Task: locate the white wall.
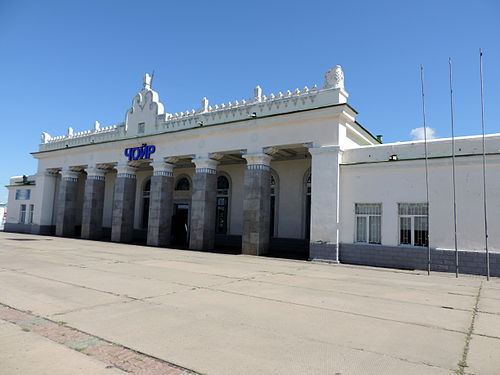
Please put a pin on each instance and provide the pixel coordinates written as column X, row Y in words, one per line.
column 391, row 183
column 109, row 193
column 291, row 197
column 14, row 207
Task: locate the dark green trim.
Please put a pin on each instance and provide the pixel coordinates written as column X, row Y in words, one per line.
column 367, row 132
column 422, row 158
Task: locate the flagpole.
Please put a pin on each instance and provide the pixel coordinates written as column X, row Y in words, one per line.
column 426, row 170
column 453, row 165
column 484, row 167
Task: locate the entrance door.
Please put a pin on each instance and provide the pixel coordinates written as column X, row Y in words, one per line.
column 308, row 217
column 180, row 224
column 221, row 219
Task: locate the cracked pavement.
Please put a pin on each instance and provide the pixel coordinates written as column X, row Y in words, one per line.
column 236, row 314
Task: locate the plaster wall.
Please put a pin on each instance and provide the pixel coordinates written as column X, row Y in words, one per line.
column 415, row 149
column 319, row 127
column 236, row 174
column 14, row 209
column 290, row 200
column 391, row 183
column 109, row 192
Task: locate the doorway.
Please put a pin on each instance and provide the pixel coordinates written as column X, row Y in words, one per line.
column 180, row 225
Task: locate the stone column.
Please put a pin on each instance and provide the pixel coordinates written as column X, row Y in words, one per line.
column 122, row 224
column 203, row 205
column 256, row 204
column 161, row 204
column 324, row 239
column 67, row 200
column 93, row 204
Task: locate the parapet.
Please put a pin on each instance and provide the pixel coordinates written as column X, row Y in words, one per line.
column 146, row 115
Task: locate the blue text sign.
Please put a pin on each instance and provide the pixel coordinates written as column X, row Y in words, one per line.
column 142, row 152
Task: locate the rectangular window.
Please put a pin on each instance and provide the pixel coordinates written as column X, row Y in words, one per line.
column 140, row 127
column 413, row 224
column 22, row 214
column 368, row 222
column 30, row 214
column 23, row 194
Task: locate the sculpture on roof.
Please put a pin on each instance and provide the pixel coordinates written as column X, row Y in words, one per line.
column 147, row 81
column 334, row 78
column 45, row 138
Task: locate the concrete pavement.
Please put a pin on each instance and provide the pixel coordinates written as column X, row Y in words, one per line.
column 236, row 314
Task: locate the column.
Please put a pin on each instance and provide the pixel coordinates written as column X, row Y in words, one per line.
column 67, row 200
column 161, row 204
column 93, row 204
column 324, row 239
column 122, row 224
column 203, row 205
column 44, row 202
column 256, row 204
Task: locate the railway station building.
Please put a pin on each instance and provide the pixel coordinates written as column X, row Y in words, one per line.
column 290, row 172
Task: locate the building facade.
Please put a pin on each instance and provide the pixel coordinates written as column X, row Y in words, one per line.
column 292, row 170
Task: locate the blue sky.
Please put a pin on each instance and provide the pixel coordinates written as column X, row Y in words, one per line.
column 69, row 63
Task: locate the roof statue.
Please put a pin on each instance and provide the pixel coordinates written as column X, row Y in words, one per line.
column 45, row 138
column 334, row 78
column 147, row 81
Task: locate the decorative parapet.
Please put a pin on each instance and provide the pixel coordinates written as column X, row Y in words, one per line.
column 258, row 106
column 98, row 135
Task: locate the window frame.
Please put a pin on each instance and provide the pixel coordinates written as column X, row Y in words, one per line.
column 145, row 194
column 367, row 224
column 224, row 194
column 31, row 213
column 22, row 214
column 412, row 224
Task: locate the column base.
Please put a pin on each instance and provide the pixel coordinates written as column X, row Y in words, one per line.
column 324, row 252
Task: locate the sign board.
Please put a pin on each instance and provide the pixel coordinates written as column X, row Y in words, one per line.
column 23, row 194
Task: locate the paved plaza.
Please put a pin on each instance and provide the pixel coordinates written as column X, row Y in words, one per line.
column 71, row 306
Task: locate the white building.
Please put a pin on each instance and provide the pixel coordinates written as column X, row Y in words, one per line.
column 291, row 172
column 3, row 213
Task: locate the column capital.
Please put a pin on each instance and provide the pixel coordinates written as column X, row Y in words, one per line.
column 50, row 172
column 162, row 168
column 125, row 170
column 205, row 165
column 258, row 161
column 68, row 174
column 95, row 173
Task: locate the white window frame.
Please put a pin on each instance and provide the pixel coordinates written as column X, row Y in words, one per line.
column 367, row 229
column 22, row 214
column 412, row 224
column 141, row 128
column 30, row 213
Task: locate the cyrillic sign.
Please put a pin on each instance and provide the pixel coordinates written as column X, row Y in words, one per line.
column 142, row 152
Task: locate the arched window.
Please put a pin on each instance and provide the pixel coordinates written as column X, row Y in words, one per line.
column 222, row 210
column 146, row 191
column 307, row 189
column 182, row 184
column 273, row 212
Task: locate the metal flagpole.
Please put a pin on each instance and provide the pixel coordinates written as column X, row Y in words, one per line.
column 484, row 167
column 453, row 166
column 426, row 170
column 152, row 77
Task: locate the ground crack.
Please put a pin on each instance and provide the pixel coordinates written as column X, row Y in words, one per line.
column 463, row 362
